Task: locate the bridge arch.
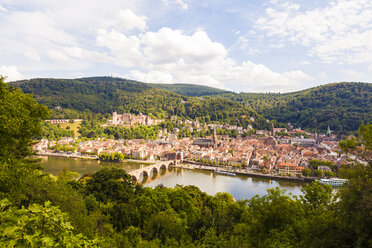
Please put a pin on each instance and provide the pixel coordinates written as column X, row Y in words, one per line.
column 152, row 169
column 144, row 174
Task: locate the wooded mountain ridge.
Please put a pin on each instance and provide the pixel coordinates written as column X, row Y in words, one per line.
column 342, row 106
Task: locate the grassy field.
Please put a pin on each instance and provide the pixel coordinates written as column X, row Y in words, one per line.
column 73, row 126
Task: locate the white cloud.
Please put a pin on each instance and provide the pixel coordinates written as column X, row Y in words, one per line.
column 32, row 55
column 57, row 35
column 353, row 75
column 11, row 73
column 125, row 20
column 168, row 46
column 339, row 33
column 305, row 62
column 57, row 55
column 170, row 56
column 2, row 8
column 152, row 76
column 124, row 51
column 369, row 68
column 181, row 3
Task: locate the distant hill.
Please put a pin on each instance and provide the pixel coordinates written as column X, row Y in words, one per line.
column 107, row 94
column 101, row 95
column 342, row 106
column 190, row 89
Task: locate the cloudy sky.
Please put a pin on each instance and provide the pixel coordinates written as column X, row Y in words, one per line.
column 240, row 45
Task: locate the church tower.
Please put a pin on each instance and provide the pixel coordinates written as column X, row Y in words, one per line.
column 328, row 131
column 114, row 118
column 214, row 139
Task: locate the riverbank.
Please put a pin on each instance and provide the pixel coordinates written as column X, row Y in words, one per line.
column 93, row 157
column 66, row 155
column 190, row 166
column 244, row 172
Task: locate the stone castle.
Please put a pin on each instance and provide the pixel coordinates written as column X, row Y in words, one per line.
column 129, row 119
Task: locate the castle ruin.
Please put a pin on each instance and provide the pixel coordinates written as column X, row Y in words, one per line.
column 129, row 119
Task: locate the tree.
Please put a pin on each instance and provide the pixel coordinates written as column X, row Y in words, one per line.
column 20, row 119
column 306, row 172
column 356, row 197
column 318, row 173
column 274, row 219
column 38, row 226
column 111, row 185
column 328, row 174
column 360, row 146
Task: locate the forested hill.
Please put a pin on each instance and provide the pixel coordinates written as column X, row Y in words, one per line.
column 342, row 106
column 101, row 95
column 106, row 94
column 190, row 89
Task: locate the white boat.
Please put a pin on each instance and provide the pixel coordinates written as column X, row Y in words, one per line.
column 336, row 182
column 228, row 173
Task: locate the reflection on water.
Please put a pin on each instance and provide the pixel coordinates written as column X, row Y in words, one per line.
column 240, row 187
column 54, row 165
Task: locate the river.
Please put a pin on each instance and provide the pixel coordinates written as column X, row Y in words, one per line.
column 240, row 187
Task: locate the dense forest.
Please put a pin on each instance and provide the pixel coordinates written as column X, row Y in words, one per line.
column 190, row 89
column 108, row 209
column 342, row 106
column 105, row 95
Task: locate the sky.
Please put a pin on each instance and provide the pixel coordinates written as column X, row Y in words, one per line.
column 238, row 45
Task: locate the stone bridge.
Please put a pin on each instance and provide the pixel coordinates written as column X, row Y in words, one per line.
column 154, row 168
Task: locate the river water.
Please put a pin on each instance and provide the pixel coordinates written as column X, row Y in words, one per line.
column 240, row 187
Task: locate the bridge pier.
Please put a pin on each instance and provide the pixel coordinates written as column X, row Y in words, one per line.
column 146, row 171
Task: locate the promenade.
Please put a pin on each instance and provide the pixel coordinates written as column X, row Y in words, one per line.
column 243, row 172
column 66, row 155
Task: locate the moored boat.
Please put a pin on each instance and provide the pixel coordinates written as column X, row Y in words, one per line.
column 228, row 173
column 336, row 182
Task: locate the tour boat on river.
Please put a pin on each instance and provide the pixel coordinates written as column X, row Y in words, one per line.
column 228, row 173
column 336, row 182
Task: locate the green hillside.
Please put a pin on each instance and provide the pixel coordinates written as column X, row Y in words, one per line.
column 190, row 89
column 106, row 94
column 342, row 106
column 103, row 95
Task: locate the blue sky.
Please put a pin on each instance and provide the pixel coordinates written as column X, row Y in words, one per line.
column 244, row 46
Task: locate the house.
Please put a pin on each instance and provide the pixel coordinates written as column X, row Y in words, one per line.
column 289, row 169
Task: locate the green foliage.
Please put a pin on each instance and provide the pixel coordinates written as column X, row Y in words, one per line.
column 53, row 132
column 356, row 198
column 306, row 172
column 79, row 97
column 274, row 219
column 318, row 173
column 38, row 226
column 115, row 156
column 316, row 163
column 360, row 146
column 20, row 118
column 190, row 89
column 342, row 106
column 111, row 185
